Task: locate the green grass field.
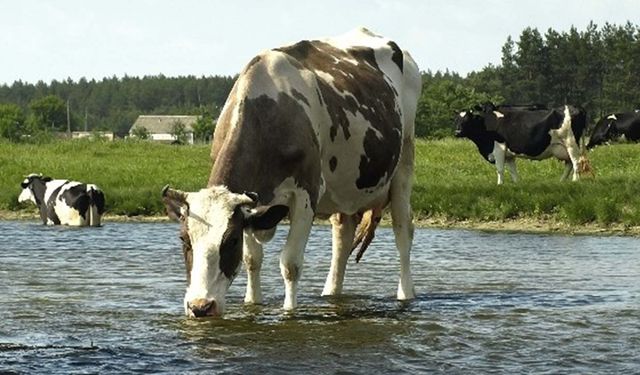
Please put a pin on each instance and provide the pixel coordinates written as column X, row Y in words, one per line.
column 452, row 181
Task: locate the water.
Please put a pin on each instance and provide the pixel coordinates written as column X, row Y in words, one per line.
column 109, row 300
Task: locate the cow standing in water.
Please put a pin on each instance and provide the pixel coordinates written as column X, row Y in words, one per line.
column 506, row 132
column 319, row 128
column 64, row 202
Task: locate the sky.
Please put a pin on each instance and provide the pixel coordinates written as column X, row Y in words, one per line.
column 47, row 40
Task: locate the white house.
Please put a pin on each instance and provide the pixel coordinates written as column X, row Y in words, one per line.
column 162, row 128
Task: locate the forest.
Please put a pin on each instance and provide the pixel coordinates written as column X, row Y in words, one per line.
column 597, row 68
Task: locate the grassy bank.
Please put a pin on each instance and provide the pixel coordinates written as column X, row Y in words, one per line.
column 453, row 183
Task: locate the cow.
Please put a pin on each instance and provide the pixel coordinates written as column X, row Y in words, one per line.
column 321, row 128
column 64, row 202
column 504, row 133
column 615, row 126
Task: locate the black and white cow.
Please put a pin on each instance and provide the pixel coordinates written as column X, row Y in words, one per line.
column 504, row 133
column 64, row 202
column 318, row 128
column 616, row 126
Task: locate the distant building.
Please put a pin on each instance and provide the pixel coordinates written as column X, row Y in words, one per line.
column 93, row 134
column 162, row 128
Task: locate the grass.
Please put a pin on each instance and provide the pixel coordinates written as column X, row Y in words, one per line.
column 452, row 181
column 131, row 174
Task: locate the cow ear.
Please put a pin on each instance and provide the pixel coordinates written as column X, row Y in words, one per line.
column 265, row 217
column 47, row 179
column 254, row 196
column 175, row 203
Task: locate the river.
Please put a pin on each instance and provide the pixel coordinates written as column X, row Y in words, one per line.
column 109, row 300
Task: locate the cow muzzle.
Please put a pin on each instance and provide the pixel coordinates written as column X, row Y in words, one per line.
column 202, row 307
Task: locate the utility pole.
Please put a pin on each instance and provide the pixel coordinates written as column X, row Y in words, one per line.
column 85, row 118
column 68, row 120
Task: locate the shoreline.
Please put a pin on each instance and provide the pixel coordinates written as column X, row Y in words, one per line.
column 522, row 225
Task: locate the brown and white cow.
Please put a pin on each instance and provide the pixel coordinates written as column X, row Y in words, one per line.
column 318, row 128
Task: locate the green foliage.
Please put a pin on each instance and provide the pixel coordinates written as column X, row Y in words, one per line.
column 11, row 122
column 598, row 69
column 48, row 112
column 203, row 128
column 140, row 132
column 179, row 132
column 114, row 103
column 443, row 97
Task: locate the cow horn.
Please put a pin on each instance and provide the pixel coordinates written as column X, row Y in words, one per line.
column 177, row 195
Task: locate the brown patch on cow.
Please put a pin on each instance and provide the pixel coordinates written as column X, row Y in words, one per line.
column 273, row 140
column 397, row 56
column 298, row 95
column 251, row 63
column 231, row 245
column 291, row 273
column 333, row 163
column 375, row 101
column 187, row 250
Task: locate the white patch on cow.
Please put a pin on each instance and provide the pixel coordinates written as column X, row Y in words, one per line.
column 463, row 113
column 498, row 114
column 274, row 74
column 68, row 215
column 52, row 186
column 209, row 213
column 26, row 195
column 612, row 117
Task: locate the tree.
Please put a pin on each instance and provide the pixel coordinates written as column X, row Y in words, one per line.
column 179, row 132
column 443, row 97
column 203, row 127
column 48, row 112
column 140, row 132
column 11, row 122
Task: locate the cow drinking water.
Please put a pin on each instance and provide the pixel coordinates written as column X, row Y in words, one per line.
column 318, row 128
column 64, row 202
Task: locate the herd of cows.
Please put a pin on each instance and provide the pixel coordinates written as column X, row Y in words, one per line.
column 321, row 128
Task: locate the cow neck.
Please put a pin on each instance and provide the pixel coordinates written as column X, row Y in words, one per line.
column 271, row 141
column 39, row 187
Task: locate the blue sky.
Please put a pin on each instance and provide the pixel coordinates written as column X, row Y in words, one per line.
column 46, row 40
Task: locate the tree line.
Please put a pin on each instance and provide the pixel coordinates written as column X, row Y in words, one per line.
column 597, row 68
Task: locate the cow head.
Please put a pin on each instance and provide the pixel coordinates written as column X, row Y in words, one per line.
column 605, row 130
column 32, row 185
column 214, row 221
column 470, row 124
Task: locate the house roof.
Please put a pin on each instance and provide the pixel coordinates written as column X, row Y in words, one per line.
column 163, row 124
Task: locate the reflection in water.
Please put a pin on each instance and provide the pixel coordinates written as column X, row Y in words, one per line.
column 109, row 300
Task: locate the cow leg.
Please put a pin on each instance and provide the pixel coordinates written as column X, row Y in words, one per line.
column 499, row 157
column 402, row 218
column 252, row 258
column 511, row 166
column 574, row 154
column 568, row 167
column 343, row 229
column 292, row 256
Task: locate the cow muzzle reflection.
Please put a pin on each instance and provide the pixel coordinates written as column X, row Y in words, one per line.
column 202, row 307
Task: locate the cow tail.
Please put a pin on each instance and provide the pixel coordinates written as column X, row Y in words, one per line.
column 94, row 215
